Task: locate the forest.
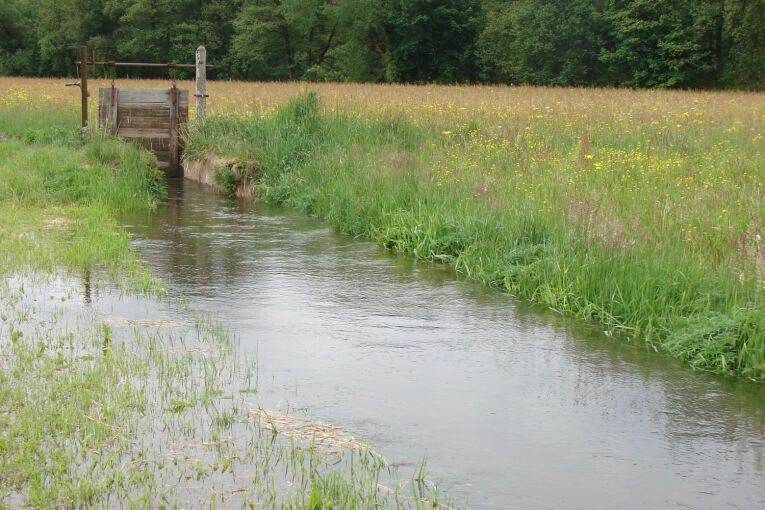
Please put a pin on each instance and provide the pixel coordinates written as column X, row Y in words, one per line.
column 712, row 44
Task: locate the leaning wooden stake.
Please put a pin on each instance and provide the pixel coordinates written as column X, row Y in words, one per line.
column 84, row 89
column 201, row 92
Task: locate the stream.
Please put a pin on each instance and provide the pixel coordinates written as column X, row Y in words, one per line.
column 511, row 406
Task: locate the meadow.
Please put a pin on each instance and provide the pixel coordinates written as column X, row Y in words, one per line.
column 639, row 210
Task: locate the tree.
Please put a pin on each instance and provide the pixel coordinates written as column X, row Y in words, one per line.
column 170, row 31
column 745, row 27
column 660, row 43
column 542, row 42
column 18, row 39
column 431, row 40
column 283, row 39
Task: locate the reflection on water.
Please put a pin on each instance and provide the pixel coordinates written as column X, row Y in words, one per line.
column 513, row 406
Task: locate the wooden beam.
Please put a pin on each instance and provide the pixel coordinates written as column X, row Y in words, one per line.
column 201, row 92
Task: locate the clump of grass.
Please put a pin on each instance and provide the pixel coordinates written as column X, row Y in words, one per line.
column 236, row 178
column 534, row 213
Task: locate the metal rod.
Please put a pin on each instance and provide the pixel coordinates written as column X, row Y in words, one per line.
column 140, row 64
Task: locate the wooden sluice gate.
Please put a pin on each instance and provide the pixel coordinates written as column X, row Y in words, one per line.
column 148, row 117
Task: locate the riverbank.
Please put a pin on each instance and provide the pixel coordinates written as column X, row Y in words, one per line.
column 650, row 228
column 112, row 392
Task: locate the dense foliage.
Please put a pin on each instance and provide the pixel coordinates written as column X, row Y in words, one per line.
column 634, row 43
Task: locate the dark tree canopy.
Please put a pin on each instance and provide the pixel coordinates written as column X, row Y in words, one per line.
column 632, row 43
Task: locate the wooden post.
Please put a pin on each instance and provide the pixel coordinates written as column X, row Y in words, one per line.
column 173, row 140
column 201, row 92
column 84, row 89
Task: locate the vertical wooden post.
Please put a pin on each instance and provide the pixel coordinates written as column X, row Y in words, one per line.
column 173, row 141
column 112, row 110
column 84, row 89
column 201, row 92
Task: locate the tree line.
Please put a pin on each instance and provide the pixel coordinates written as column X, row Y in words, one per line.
column 624, row 43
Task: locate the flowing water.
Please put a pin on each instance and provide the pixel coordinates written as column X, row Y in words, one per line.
column 511, row 405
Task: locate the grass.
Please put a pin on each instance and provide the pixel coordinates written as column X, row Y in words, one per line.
column 59, row 200
column 101, row 411
column 95, row 413
column 639, row 210
column 654, row 231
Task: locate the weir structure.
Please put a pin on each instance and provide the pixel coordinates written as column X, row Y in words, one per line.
column 151, row 117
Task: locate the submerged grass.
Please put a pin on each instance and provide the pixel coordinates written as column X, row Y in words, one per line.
column 589, row 226
column 100, row 415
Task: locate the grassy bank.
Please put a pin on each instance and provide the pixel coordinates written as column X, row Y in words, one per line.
column 150, row 411
column 59, row 199
column 646, row 221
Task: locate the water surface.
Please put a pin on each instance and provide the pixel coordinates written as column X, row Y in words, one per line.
column 513, row 406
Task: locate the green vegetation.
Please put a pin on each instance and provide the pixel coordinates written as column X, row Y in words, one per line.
column 101, row 410
column 632, row 43
column 533, row 219
column 98, row 412
column 59, row 198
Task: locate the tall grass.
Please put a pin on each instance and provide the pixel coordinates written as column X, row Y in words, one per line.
column 59, row 200
column 541, row 214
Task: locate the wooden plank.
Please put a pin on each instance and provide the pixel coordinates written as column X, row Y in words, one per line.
column 144, row 107
column 162, row 155
column 130, row 122
column 113, row 109
column 108, row 109
column 153, row 143
column 133, row 95
column 102, row 107
column 163, row 96
column 143, row 111
column 145, row 133
column 151, row 104
column 145, row 123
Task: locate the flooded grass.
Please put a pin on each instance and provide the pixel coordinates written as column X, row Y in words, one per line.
column 98, row 413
